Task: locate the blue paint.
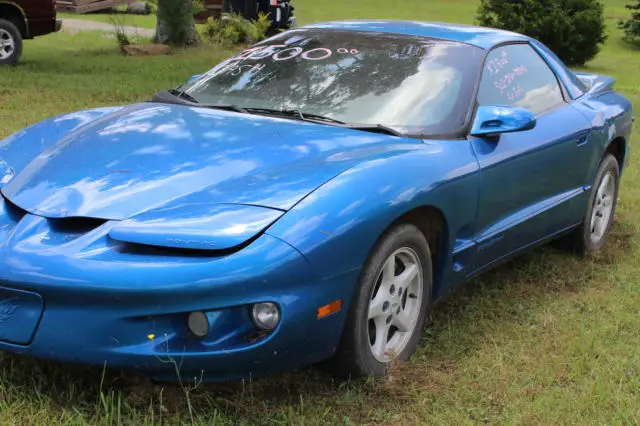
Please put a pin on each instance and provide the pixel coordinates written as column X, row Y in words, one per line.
column 193, row 78
column 482, row 37
column 496, row 120
column 20, row 313
column 116, row 223
column 195, row 226
column 171, row 151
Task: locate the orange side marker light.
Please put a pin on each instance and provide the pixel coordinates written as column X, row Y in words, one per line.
column 329, row 309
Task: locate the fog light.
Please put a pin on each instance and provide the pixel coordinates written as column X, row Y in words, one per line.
column 198, row 324
column 265, row 315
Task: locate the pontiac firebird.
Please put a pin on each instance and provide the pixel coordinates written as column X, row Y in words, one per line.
column 305, row 200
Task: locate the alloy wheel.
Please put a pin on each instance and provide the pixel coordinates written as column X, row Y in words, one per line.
column 7, row 44
column 602, row 207
column 395, row 304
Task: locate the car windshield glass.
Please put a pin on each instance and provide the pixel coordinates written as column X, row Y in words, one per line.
column 414, row 84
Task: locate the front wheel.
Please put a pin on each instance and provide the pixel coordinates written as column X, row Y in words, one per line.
column 10, row 43
column 390, row 305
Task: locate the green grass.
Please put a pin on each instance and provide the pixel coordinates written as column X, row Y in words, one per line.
column 546, row 339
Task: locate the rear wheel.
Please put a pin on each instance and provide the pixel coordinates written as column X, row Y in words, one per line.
column 10, row 43
column 390, row 306
column 598, row 219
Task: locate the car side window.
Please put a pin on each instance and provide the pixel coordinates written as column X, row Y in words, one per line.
column 516, row 75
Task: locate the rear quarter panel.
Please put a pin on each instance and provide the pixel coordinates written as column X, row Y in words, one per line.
column 40, row 16
column 611, row 117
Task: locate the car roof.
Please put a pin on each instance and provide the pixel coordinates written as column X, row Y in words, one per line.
column 481, row 37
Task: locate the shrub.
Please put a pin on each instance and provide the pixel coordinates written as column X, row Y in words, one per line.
column 175, row 21
column 573, row 29
column 121, row 35
column 233, row 29
column 631, row 27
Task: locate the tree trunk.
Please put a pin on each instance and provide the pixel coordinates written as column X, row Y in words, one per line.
column 175, row 24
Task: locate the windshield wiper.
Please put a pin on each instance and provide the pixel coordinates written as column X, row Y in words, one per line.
column 180, row 94
column 174, row 96
column 186, row 99
column 182, row 98
column 306, row 116
column 376, row 128
column 226, row 107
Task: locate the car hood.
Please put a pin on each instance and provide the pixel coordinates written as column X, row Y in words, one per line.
column 121, row 162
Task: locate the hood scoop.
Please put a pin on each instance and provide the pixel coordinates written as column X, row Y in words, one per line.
column 74, row 226
column 12, row 211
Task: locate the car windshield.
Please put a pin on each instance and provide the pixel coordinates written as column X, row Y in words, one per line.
column 416, row 85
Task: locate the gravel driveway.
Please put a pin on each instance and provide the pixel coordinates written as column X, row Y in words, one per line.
column 73, row 25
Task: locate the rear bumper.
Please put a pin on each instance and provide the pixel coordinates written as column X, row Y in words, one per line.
column 42, row 26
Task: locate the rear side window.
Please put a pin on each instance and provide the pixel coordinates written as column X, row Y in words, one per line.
column 575, row 86
column 516, row 75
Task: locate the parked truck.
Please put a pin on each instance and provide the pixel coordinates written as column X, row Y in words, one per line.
column 22, row 20
column 280, row 11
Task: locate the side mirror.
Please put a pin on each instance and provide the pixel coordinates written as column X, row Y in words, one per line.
column 496, row 119
column 193, row 78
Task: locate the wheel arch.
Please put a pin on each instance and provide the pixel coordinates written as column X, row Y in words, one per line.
column 618, row 148
column 434, row 187
column 431, row 221
column 14, row 13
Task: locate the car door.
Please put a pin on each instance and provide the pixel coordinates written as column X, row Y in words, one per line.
column 532, row 181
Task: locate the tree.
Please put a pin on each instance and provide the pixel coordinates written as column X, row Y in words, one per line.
column 573, row 29
column 631, row 26
column 176, row 25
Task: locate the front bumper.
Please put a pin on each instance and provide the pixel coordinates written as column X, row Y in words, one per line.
column 103, row 305
column 155, row 345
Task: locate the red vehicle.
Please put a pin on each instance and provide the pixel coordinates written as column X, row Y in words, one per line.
column 24, row 19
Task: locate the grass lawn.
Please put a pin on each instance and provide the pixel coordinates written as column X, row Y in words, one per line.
column 546, row 339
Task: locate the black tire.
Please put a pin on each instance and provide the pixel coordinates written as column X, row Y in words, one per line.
column 354, row 357
column 10, row 32
column 580, row 240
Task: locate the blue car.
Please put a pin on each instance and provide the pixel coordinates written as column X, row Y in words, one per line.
column 307, row 199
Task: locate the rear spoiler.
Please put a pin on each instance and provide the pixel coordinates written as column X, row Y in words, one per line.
column 596, row 83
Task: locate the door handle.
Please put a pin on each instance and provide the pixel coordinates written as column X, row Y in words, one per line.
column 582, row 140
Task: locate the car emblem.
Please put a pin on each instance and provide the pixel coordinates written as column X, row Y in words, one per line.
column 7, row 308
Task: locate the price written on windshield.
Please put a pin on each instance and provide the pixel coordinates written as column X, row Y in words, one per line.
column 282, row 52
column 278, row 53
